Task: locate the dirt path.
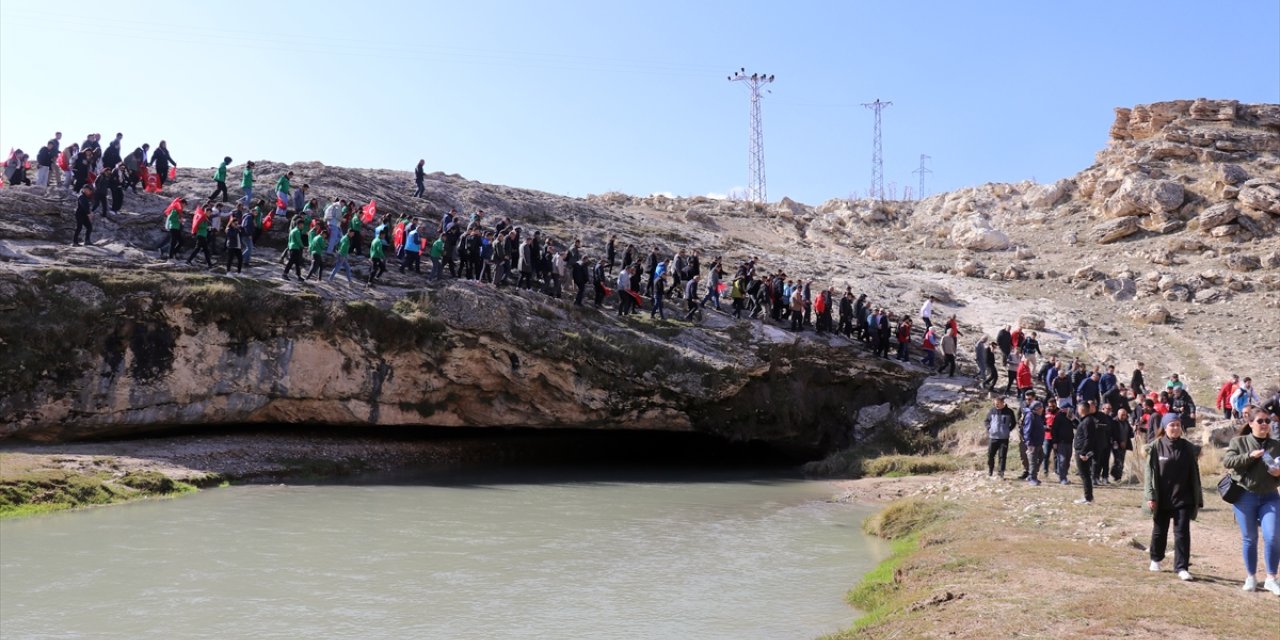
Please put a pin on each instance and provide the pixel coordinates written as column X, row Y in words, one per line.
column 1019, row 561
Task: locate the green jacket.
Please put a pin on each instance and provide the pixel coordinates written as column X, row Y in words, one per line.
column 1251, row 473
column 1152, row 479
column 283, row 185
column 344, row 246
column 173, row 220
column 437, row 248
column 355, row 223
column 221, row 174
column 376, row 250
column 317, row 243
column 295, row 238
column 246, row 179
column 202, row 228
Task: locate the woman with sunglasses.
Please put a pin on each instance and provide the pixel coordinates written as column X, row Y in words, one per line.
column 1252, row 459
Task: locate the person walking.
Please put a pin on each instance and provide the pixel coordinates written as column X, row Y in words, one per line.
column 1172, row 493
column 1086, row 444
column 1252, row 461
column 948, row 354
column 342, row 262
column 317, row 249
column 294, row 249
column 1063, row 435
column 1033, row 442
column 926, row 312
column 419, row 175
column 246, row 183
column 235, row 243
column 173, row 224
column 659, row 291
column 200, row 229
column 377, row 255
column 162, row 160
column 999, row 421
column 993, row 372
column 220, row 180
column 84, row 207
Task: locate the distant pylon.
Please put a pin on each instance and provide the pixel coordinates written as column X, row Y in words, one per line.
column 877, row 154
column 907, row 194
column 922, row 172
column 755, row 167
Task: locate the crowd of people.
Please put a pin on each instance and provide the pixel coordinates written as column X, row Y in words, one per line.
column 1069, row 415
column 1087, row 420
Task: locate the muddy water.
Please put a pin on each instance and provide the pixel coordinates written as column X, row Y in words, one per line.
column 641, row 555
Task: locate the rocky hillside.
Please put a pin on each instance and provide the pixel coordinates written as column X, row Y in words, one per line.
column 1164, row 251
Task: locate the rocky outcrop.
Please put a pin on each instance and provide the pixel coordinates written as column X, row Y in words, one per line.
column 89, row 354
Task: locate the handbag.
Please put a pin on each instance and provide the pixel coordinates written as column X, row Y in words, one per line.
column 1230, row 491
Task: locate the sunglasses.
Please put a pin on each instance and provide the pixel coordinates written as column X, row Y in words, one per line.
column 1262, row 421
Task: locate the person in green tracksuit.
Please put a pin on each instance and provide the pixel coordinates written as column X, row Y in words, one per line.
column 318, row 246
column 220, row 179
column 378, row 255
column 202, row 241
column 173, row 224
column 343, row 250
column 284, row 187
column 294, row 249
column 246, row 183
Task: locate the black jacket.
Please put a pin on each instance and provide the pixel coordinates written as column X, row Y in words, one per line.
column 1004, row 340
column 1088, row 440
column 579, row 273
column 83, row 205
column 111, row 157
column 45, row 157
column 161, row 159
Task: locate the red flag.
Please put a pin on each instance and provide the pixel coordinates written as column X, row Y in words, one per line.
column 173, row 173
column 200, row 216
column 369, row 211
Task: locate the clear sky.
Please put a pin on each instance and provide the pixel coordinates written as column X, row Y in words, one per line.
column 578, row 97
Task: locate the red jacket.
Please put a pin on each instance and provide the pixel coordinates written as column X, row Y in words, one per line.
column 1224, row 394
column 1024, row 375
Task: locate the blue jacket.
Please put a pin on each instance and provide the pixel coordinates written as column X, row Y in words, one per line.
column 1089, row 390
column 1106, row 382
column 411, row 242
column 1033, row 429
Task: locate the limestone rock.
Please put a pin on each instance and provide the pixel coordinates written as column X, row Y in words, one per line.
column 1154, row 314
column 880, row 253
column 975, row 233
column 1113, row 230
column 1031, row 322
column 1260, row 195
column 1217, row 215
column 1243, row 263
column 967, row 267
column 1120, row 289
column 1232, row 174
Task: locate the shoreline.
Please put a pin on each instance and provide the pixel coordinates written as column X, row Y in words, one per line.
column 1003, row 559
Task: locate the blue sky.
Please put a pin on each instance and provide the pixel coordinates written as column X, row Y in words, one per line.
column 585, row 97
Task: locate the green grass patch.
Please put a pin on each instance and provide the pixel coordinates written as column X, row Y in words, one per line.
column 852, row 463
column 44, row 490
column 903, row 518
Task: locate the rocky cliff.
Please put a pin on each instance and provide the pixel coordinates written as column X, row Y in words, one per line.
column 91, row 354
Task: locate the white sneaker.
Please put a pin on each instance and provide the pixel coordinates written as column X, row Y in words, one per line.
column 1185, row 575
column 1250, row 584
column 1272, row 586
column 1155, row 566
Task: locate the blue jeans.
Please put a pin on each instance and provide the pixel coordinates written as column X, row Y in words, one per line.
column 247, row 240
column 334, row 235
column 436, row 271
column 248, row 196
column 713, row 294
column 341, row 264
column 1252, row 510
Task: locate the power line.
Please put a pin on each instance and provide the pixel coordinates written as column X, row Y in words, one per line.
column 755, row 169
column 922, row 172
column 877, row 153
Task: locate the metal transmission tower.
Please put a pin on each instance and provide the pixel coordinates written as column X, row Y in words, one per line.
column 755, row 183
column 922, row 172
column 877, row 154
